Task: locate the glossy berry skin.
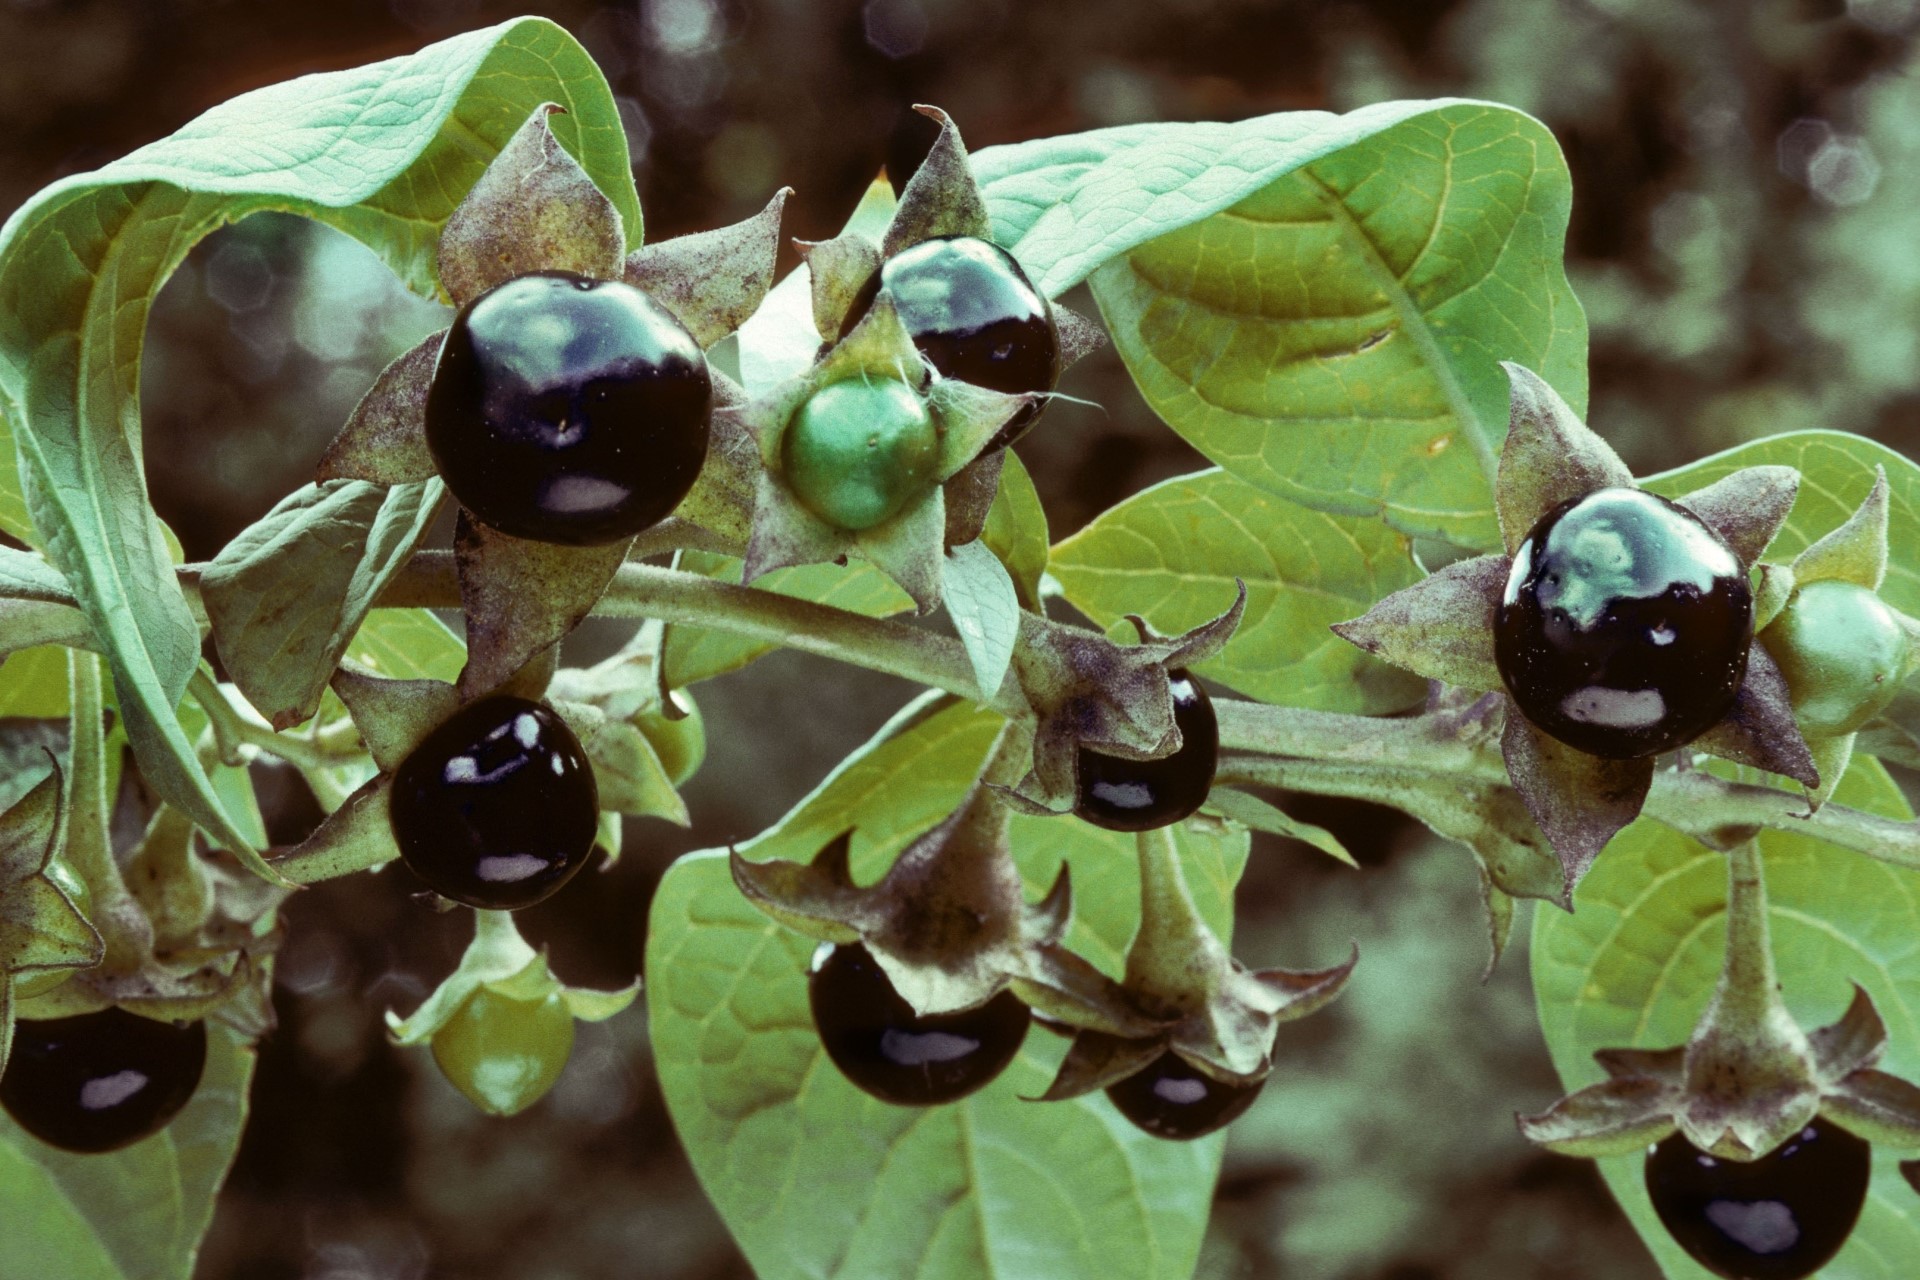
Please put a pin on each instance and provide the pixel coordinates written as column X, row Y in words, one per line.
column 1781, row 1217
column 1625, row 624
column 858, row 451
column 974, row 315
column 882, row 1046
column 569, row 410
column 1842, row 651
column 100, row 1081
column 1170, row 1098
column 1139, row 795
column 497, row 807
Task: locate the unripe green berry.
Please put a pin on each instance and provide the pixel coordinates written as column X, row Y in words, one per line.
column 1843, row 652
column 504, row 1054
column 858, row 451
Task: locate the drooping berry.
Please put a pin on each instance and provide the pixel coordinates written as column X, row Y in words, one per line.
column 1781, row 1217
column 1842, row 651
column 858, row 451
column 569, row 410
column 881, row 1045
column 1625, row 623
column 497, row 807
column 1171, row 1098
column 974, row 315
column 1139, row 795
column 100, row 1081
column 505, row 1054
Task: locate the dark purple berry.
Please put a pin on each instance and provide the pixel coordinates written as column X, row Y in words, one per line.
column 1171, row 1098
column 569, row 410
column 1625, row 625
column 1781, row 1217
column 497, row 807
column 1139, row 795
column 974, row 315
column 881, row 1045
column 100, row 1081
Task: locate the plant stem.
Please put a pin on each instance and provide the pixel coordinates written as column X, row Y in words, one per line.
column 123, row 926
column 231, row 730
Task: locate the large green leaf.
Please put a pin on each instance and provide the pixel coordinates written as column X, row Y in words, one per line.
column 1836, row 471
column 1635, row 963
column 1319, row 303
column 136, row 1214
column 408, row 644
column 383, row 153
column 816, row 1178
column 1171, row 554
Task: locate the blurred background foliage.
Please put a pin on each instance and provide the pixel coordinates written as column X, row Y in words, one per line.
column 1746, row 206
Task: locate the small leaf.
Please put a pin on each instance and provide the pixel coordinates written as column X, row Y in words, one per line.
column 286, row 596
column 534, row 209
column 980, row 598
column 385, row 439
column 1016, row 529
column 1550, row 457
column 1440, row 627
column 1579, row 800
column 969, row 497
column 712, row 280
column 1251, row 811
column 521, row 597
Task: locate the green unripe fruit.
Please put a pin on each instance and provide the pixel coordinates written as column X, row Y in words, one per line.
column 1843, row 652
column 859, row 451
column 681, row 744
column 504, row 1054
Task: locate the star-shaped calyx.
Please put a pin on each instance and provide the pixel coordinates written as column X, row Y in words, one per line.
column 949, row 922
column 1749, row 1079
column 1610, row 578
column 1089, row 693
column 1202, row 1005
column 42, row 933
column 535, row 209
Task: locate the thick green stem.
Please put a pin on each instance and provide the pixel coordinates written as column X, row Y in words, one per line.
column 1748, row 989
column 123, row 926
column 231, row 730
column 1175, row 955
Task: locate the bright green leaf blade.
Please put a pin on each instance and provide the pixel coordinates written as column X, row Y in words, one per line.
column 1331, row 331
column 287, row 594
column 1836, row 471
column 1017, row 529
column 381, row 152
column 33, row 683
column 1637, row 960
column 408, row 644
column 696, row 653
column 14, row 517
column 1171, row 554
column 136, row 1214
column 985, row 610
column 992, row 1186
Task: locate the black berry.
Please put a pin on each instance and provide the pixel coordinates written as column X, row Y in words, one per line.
column 974, row 315
column 1781, row 1217
column 497, row 807
column 569, row 410
column 881, row 1045
column 1170, row 1098
column 100, row 1081
column 1139, row 795
column 1625, row 625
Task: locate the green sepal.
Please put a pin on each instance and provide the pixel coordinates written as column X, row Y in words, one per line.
column 1855, row 552
column 1580, row 801
column 1760, row 730
column 1440, row 627
column 499, row 959
column 838, row 270
column 385, row 439
column 1882, row 1108
column 393, row 716
column 533, row 209
column 1550, row 457
column 357, row 836
column 1621, row 1116
column 1746, row 508
column 942, row 198
column 626, row 768
column 712, row 280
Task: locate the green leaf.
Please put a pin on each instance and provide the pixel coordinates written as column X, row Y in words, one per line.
column 287, row 594
column 1171, row 554
column 382, row 153
column 25, row 576
column 408, row 644
column 1837, row 472
column 136, row 1214
column 695, row 653
column 980, row 598
column 1016, row 529
column 992, row 1186
column 14, row 518
column 33, row 683
column 1636, row 962
column 1319, row 303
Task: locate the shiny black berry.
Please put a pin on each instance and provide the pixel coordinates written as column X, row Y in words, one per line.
column 569, row 410
column 881, row 1045
column 1625, row 625
column 1139, row 795
column 497, row 807
column 100, row 1081
column 974, row 315
column 1781, row 1217
column 1171, row 1098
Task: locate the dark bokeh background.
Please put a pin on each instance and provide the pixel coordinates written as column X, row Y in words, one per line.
column 1746, row 208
